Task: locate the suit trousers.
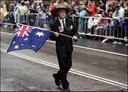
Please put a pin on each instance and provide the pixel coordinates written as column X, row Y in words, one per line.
column 65, row 63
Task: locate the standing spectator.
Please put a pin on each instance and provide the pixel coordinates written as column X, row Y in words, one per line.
column 91, row 8
column 2, row 12
column 74, row 9
column 5, row 6
column 93, row 22
column 27, row 3
column 110, row 6
column 23, row 10
column 42, row 16
column 33, row 8
column 82, row 12
column 121, row 10
column 82, row 21
column 126, row 24
column 12, row 7
column 116, row 22
column 102, row 26
column 17, row 17
column 116, row 13
column 126, row 5
column 101, row 7
column 52, row 6
column 33, row 19
column 45, row 8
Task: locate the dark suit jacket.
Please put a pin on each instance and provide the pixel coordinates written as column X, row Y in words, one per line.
column 63, row 43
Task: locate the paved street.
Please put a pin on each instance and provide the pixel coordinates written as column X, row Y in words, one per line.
column 102, row 68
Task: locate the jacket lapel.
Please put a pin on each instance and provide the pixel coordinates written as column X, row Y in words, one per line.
column 67, row 23
column 58, row 25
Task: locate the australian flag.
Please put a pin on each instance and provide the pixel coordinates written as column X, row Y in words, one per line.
column 28, row 38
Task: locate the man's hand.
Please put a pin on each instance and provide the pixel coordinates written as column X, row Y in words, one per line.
column 56, row 34
column 75, row 38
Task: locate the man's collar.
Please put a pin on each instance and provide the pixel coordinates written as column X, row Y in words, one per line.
column 61, row 19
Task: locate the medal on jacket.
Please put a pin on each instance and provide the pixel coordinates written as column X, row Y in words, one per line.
column 60, row 29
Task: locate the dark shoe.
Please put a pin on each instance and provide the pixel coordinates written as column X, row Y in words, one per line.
column 57, row 80
column 67, row 90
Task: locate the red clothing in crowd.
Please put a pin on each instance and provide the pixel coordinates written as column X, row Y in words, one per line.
column 103, row 22
column 51, row 7
column 91, row 9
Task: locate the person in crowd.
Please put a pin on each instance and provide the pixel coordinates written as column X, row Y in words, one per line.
column 110, row 6
column 101, row 7
column 33, row 19
column 2, row 12
column 93, row 22
column 17, row 17
column 121, row 10
column 45, row 8
column 73, row 9
column 116, row 21
column 102, row 25
column 126, row 5
column 5, row 6
column 117, row 14
column 73, row 12
column 12, row 7
column 52, row 6
column 22, row 11
column 33, row 8
column 91, row 8
column 126, row 24
column 42, row 16
column 83, row 11
column 27, row 3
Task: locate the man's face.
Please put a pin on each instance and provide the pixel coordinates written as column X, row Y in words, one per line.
column 62, row 14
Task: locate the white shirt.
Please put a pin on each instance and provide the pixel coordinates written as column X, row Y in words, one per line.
column 93, row 21
column 121, row 12
column 62, row 27
column 16, row 8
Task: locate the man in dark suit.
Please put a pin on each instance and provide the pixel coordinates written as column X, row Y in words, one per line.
column 64, row 45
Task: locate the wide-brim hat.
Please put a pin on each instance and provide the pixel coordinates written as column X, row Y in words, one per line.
column 61, row 6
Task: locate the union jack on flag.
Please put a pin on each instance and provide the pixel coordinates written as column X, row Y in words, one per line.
column 22, row 31
column 28, row 38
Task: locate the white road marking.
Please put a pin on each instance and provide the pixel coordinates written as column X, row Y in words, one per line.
column 93, row 49
column 73, row 71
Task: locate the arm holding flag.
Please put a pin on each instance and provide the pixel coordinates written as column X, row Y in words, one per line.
column 29, row 37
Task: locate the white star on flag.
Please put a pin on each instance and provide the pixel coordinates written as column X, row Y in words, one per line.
column 25, row 39
column 40, row 34
column 13, row 42
column 33, row 46
column 16, row 47
column 22, row 44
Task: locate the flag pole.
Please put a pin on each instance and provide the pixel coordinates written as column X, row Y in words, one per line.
column 37, row 28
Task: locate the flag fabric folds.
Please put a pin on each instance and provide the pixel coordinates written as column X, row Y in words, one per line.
column 26, row 37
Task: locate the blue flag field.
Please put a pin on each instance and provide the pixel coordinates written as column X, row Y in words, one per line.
column 27, row 37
